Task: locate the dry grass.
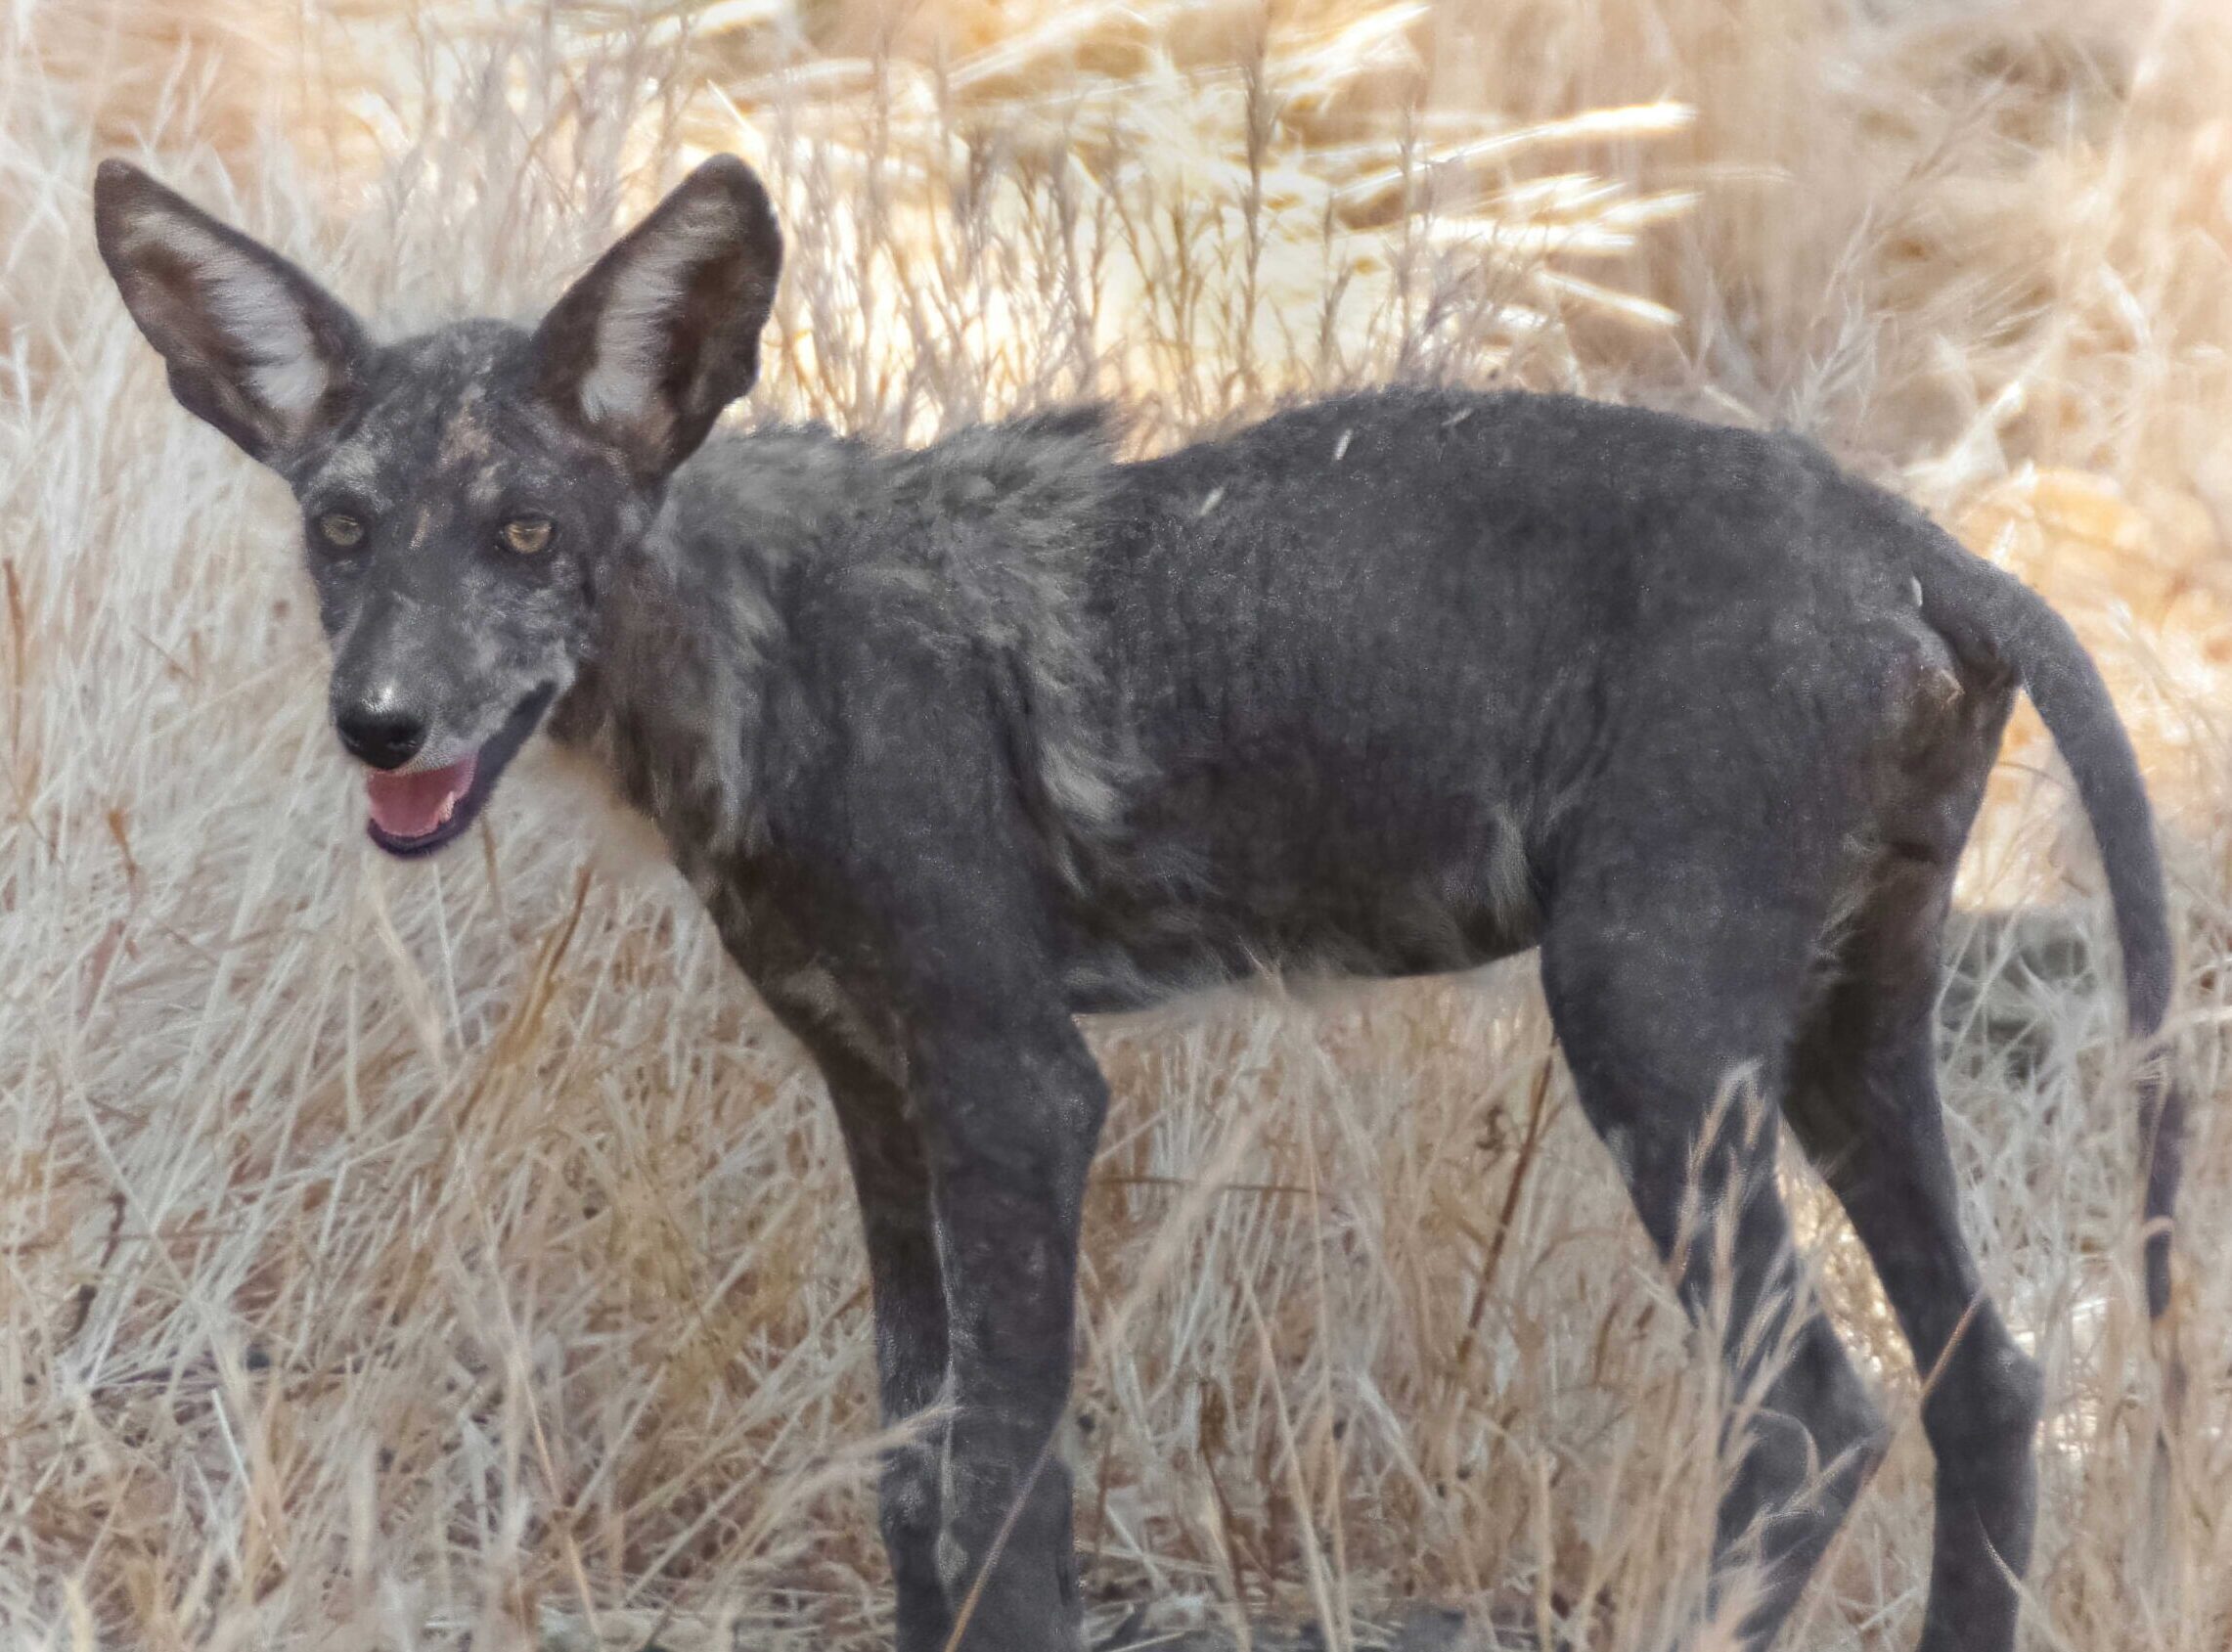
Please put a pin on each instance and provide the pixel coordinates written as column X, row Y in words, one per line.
column 397, row 1257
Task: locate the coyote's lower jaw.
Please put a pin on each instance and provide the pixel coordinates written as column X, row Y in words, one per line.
column 417, row 813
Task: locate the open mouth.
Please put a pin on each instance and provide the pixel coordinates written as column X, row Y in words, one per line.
column 415, row 813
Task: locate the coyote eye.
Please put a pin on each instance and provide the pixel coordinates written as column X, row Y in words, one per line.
column 340, row 530
column 527, row 535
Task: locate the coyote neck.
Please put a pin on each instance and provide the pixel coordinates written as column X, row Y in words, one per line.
column 671, row 701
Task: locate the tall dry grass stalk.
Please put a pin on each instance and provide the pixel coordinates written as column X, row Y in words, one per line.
column 403, row 1257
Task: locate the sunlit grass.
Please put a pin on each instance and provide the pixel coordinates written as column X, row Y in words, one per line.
column 397, row 1255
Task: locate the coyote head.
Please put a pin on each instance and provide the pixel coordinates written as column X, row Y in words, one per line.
column 466, row 494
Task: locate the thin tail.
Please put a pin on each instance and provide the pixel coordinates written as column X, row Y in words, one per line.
column 1985, row 612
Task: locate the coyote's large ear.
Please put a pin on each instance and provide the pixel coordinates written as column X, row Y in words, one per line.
column 664, row 331
column 254, row 345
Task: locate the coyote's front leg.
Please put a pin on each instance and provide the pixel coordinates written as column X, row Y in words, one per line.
column 891, row 1178
column 1011, row 1106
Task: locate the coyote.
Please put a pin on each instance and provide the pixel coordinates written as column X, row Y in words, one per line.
column 959, row 743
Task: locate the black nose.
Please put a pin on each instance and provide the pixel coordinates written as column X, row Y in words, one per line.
column 386, row 740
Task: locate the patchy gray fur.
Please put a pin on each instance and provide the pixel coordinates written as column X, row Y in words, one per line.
column 960, row 743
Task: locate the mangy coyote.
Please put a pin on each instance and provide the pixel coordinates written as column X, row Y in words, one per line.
column 960, row 743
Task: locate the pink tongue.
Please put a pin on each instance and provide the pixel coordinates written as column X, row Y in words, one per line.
column 411, row 805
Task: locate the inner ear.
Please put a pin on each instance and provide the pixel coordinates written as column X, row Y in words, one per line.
column 253, row 346
column 663, row 332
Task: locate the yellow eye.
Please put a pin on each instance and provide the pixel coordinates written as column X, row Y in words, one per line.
column 527, row 535
column 340, row 530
